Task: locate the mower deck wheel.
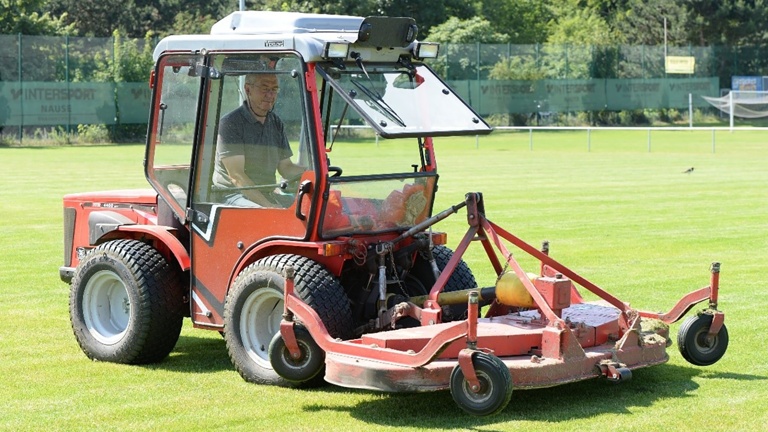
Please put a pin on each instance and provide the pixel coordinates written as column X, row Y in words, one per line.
column 297, row 370
column 495, row 386
column 625, row 374
column 695, row 344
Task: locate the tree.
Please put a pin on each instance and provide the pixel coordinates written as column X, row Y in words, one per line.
column 134, row 18
column 89, row 17
column 576, row 37
column 735, row 22
column 28, row 17
column 473, row 30
column 578, row 25
column 737, row 30
column 192, row 22
column 427, row 13
column 642, row 23
column 336, row 7
column 460, row 39
column 523, row 21
column 131, row 60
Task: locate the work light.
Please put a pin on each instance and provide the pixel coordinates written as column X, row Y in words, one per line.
column 336, row 50
column 424, row 50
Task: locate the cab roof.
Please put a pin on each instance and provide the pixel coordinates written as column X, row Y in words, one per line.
column 263, row 30
column 263, row 22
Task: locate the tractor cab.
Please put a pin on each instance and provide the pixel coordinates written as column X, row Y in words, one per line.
column 339, row 77
column 351, row 105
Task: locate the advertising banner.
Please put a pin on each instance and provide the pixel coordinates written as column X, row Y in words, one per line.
column 525, row 97
column 133, row 102
column 747, row 83
column 56, row 103
column 679, row 64
column 53, row 103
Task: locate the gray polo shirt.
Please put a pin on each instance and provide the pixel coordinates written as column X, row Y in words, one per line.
column 263, row 145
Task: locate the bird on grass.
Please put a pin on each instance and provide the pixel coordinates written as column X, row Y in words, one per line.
column 688, row 171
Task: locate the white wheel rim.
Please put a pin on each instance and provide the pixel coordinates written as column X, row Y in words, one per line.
column 259, row 322
column 106, row 307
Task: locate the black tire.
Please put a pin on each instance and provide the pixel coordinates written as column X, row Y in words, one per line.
column 495, row 386
column 693, row 344
column 297, row 370
column 625, row 374
column 126, row 304
column 421, row 279
column 254, row 307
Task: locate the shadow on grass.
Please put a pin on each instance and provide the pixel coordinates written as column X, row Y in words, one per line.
column 733, row 376
column 196, row 355
column 552, row 405
column 437, row 410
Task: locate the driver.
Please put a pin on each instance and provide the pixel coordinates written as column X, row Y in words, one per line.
column 252, row 145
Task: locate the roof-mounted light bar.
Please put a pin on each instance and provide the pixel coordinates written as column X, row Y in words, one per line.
column 426, row 50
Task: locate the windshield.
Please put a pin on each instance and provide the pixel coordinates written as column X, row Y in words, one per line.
column 400, row 102
column 381, row 184
column 370, row 205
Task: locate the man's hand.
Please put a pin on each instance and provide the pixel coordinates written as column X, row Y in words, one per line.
column 235, row 166
column 289, row 170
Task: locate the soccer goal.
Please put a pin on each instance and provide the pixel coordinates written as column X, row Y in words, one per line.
column 748, row 104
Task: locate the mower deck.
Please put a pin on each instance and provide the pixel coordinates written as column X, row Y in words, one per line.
column 537, row 332
column 517, row 339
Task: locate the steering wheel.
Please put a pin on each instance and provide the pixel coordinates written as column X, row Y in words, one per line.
column 335, row 170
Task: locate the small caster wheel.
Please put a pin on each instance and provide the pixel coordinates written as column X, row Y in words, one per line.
column 625, row 374
column 296, row 370
column 695, row 344
column 495, row 386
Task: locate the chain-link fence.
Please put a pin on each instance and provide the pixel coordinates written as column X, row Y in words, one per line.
column 64, row 82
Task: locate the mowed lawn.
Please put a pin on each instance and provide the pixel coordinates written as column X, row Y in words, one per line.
column 628, row 219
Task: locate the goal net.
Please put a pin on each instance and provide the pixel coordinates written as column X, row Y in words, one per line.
column 749, row 104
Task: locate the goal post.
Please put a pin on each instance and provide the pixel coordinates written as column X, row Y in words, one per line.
column 747, row 104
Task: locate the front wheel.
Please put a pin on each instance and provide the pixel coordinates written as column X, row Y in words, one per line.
column 254, row 308
column 495, row 386
column 695, row 344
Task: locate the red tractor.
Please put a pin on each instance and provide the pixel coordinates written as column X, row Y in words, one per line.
column 332, row 270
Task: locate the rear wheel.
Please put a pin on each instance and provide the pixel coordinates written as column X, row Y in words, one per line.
column 254, row 309
column 695, row 344
column 126, row 304
column 421, row 279
column 495, row 386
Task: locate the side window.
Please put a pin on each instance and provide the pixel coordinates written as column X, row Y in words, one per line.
column 256, row 146
column 173, row 127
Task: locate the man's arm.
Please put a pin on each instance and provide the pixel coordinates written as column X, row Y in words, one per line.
column 289, row 170
column 235, row 166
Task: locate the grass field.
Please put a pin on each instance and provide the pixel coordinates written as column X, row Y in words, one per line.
column 628, row 219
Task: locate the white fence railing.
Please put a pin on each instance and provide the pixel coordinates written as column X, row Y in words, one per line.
column 649, row 130
column 589, row 129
